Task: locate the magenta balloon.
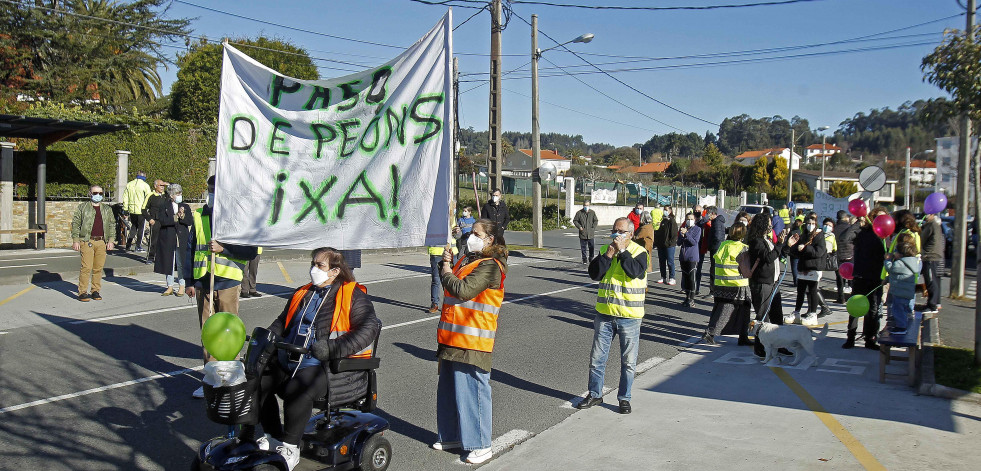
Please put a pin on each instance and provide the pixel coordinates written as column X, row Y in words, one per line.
column 935, row 203
column 858, row 207
column 846, row 270
column 884, row 225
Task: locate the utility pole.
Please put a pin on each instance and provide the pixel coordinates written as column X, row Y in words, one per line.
column 966, row 142
column 536, row 144
column 494, row 157
column 790, row 167
column 957, row 287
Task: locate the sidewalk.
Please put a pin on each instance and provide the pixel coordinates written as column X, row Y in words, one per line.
column 714, row 407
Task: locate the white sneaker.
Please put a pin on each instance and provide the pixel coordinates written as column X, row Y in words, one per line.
column 792, row 319
column 810, row 318
column 479, row 456
column 266, row 443
column 671, row 282
column 291, row 453
column 847, row 289
column 443, row 446
column 660, row 281
column 198, row 393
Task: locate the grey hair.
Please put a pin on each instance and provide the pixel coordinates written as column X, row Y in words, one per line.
column 174, row 189
column 645, row 217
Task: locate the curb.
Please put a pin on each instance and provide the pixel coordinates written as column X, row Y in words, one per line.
column 928, row 384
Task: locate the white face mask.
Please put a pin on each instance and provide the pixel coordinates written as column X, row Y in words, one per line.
column 690, row 222
column 179, row 199
column 496, row 198
column 827, row 229
column 211, row 199
column 475, row 244
column 318, row 276
column 810, row 228
column 667, row 212
column 466, row 214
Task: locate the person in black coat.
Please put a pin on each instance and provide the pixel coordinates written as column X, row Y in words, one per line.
column 307, row 320
column 174, row 222
column 811, row 252
column 714, row 236
column 497, row 210
column 763, row 255
column 666, row 242
column 155, row 204
column 867, row 280
column 845, row 231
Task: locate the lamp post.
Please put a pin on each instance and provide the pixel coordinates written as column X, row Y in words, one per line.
column 824, row 155
column 536, row 144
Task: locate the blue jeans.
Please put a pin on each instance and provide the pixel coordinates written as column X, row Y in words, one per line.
column 583, row 245
column 437, row 285
column 665, row 256
column 604, row 327
column 899, row 310
column 463, row 405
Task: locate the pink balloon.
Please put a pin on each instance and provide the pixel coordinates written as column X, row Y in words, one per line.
column 847, row 270
column 858, row 207
column 884, row 225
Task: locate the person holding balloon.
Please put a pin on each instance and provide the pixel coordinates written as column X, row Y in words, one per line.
column 866, row 268
column 903, row 267
column 333, row 317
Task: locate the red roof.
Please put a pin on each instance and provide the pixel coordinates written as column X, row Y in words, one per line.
column 546, row 154
column 913, row 163
column 826, row 147
column 653, row 167
column 751, row 154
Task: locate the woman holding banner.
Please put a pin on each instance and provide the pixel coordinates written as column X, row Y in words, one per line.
column 474, row 292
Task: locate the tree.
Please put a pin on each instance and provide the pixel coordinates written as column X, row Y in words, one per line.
column 802, row 192
column 760, row 177
column 79, row 57
column 778, row 176
column 955, row 67
column 842, row 189
column 713, row 156
column 195, row 93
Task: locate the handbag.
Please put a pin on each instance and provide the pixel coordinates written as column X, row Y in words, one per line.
column 831, row 261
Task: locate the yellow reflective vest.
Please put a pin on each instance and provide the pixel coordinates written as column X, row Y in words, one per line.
column 225, row 267
column 657, row 214
column 785, row 215
column 618, row 294
column 726, row 266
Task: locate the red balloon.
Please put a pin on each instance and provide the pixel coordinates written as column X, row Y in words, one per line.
column 847, row 270
column 858, row 207
column 884, row 225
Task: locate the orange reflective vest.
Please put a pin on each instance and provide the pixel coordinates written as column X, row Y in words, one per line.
column 341, row 323
column 471, row 324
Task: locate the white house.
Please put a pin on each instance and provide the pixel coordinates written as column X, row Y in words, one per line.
column 886, row 195
column 921, row 172
column 750, row 157
column 815, row 152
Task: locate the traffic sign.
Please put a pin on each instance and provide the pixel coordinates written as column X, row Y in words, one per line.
column 872, row 178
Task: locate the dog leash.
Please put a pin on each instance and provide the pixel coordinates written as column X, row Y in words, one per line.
column 769, row 302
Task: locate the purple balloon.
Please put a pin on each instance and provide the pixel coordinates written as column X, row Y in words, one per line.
column 935, row 203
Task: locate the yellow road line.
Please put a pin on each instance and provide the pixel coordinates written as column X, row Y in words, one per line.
column 286, row 276
column 5, row 301
column 840, row 432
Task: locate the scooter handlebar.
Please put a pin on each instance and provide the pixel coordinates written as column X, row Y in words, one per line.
column 292, row 348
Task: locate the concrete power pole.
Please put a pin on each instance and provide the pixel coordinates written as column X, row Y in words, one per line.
column 536, row 144
column 957, row 287
column 966, row 143
column 790, row 167
column 495, row 150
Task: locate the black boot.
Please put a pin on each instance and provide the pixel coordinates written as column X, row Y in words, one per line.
column 850, row 341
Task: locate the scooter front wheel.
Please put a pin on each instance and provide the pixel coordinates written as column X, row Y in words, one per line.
column 377, row 454
column 196, row 466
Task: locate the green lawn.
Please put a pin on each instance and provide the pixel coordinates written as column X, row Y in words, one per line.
column 954, row 367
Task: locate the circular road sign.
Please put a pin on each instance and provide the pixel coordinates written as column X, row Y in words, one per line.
column 872, row 178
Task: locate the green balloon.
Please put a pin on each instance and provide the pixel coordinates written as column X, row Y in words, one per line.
column 858, row 305
column 223, row 335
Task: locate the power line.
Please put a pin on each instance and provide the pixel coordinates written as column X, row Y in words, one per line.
column 633, row 8
column 452, row 3
column 470, row 18
column 620, row 81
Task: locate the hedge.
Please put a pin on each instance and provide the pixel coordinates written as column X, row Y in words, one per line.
column 173, row 151
column 520, row 212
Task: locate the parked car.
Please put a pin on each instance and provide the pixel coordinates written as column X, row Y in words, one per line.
column 756, row 208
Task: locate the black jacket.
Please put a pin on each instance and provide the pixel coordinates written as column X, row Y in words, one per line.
column 365, row 327
column 667, row 234
column 497, row 213
column 760, row 251
column 812, row 256
column 155, row 206
column 716, row 233
column 845, row 235
column 871, row 255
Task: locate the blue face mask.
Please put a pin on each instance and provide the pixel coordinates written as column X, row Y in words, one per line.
column 96, row 198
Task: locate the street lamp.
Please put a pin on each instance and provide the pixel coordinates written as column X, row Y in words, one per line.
column 536, row 144
column 824, row 156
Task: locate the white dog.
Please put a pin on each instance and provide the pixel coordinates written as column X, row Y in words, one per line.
column 796, row 338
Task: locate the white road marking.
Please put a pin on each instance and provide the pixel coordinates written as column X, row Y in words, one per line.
column 157, row 311
column 25, row 266
column 35, row 258
column 570, row 405
column 504, row 442
column 99, row 389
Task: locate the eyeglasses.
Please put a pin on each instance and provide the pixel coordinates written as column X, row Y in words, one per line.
column 96, row 193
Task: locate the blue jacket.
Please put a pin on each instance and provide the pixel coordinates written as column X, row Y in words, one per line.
column 903, row 276
column 689, row 244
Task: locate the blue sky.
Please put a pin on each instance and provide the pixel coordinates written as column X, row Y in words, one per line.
column 825, row 89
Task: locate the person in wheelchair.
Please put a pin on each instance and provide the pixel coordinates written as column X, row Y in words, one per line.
column 332, row 317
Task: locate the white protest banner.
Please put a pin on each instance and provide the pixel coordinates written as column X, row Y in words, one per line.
column 827, row 206
column 604, row 196
column 357, row 162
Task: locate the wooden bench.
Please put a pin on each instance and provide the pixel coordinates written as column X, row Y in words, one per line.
column 911, row 341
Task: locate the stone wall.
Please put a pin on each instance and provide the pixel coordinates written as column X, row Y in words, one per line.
column 59, row 221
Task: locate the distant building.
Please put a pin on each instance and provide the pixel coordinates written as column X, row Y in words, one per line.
column 815, row 152
column 519, row 163
column 750, row 157
column 812, row 177
column 650, row 168
column 921, row 172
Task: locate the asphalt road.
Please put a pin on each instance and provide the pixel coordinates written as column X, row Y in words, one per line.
column 104, row 385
